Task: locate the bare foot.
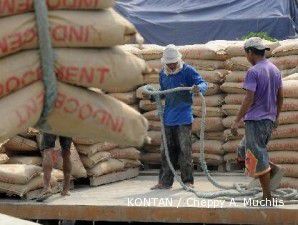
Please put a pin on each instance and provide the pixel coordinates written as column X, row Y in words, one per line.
column 65, row 193
column 47, row 191
column 190, row 185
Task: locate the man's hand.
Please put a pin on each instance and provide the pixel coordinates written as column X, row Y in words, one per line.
column 234, row 128
column 196, row 90
column 276, row 123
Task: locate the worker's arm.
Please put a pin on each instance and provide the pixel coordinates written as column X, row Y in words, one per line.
column 199, row 84
column 250, row 85
column 246, row 104
column 280, row 100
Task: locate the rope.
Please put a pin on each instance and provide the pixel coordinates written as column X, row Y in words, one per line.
column 47, row 60
column 227, row 192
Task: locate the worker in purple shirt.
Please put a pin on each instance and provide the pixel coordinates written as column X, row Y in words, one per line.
column 260, row 111
column 178, row 116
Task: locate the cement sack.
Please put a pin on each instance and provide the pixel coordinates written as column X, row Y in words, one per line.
column 20, row 144
column 232, row 88
column 285, row 73
column 152, row 78
column 235, row 76
column 133, row 49
column 21, row 189
column 91, row 161
column 202, row 51
column 290, row 88
column 211, row 147
column 213, row 89
column 125, row 153
column 131, row 163
column 78, row 169
column 284, row 157
column 147, row 105
column 291, row 77
column 205, row 64
column 290, row 104
column 238, row 63
column 18, row 174
column 12, row 7
column 288, row 182
column 140, row 90
column 212, row 124
column 287, row 144
column 151, row 149
column 214, row 136
column 284, row 118
column 215, row 76
column 84, row 114
column 101, row 68
column 104, row 28
column 128, row 98
column 234, row 99
column 230, row 157
column 231, row 110
column 151, row 51
column 236, row 48
column 211, row 159
column 155, row 138
column 154, row 125
column 231, row 146
column 3, row 158
column 154, row 65
column 151, row 115
column 151, row 158
column 211, row 101
column 285, row 62
column 283, row 131
column 211, row 111
column 27, row 160
column 291, row 170
column 85, row 141
column 287, row 47
column 90, row 150
column 109, row 166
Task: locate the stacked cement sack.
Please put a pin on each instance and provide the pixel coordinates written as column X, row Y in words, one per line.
column 101, row 159
column 286, row 58
column 283, row 147
column 78, row 112
column 209, row 61
column 26, row 180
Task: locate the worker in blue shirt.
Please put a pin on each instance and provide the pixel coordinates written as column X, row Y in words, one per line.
column 178, row 116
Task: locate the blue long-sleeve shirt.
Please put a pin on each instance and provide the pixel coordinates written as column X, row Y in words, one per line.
column 178, row 110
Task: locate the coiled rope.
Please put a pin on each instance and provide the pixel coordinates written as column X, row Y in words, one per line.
column 236, row 192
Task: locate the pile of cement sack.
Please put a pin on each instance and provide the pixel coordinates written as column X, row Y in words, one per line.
column 84, row 37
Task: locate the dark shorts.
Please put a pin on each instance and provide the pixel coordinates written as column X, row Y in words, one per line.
column 48, row 142
column 253, row 147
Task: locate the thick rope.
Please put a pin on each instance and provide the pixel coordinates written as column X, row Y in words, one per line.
column 47, row 60
column 232, row 192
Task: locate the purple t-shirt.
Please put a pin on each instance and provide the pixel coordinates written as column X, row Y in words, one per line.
column 264, row 79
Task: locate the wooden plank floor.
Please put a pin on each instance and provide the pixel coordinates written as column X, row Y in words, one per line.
column 133, row 201
column 8, row 220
